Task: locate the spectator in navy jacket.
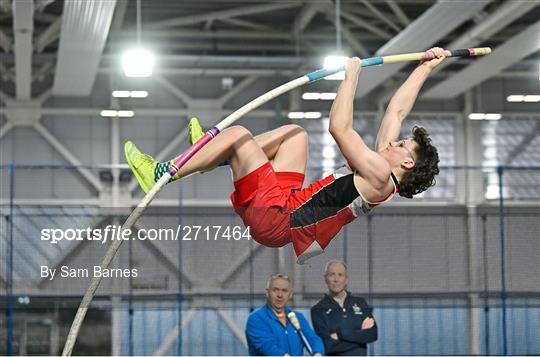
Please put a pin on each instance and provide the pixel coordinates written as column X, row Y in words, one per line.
column 269, row 331
column 343, row 321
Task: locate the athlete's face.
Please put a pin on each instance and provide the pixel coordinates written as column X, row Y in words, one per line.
column 336, row 278
column 279, row 293
column 402, row 152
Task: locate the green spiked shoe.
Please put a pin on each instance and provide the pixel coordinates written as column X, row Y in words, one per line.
column 195, row 131
column 146, row 169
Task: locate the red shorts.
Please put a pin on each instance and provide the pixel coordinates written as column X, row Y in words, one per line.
column 261, row 199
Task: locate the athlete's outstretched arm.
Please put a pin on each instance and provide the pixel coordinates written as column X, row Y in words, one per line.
column 403, row 100
column 366, row 162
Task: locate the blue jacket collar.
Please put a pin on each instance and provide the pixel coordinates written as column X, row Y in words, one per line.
column 272, row 314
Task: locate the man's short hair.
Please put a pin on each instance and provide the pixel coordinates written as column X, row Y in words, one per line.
column 278, row 276
column 335, row 261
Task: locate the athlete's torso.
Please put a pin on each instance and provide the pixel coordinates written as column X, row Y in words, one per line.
column 322, row 208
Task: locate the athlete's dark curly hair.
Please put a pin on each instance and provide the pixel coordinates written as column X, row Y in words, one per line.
column 422, row 175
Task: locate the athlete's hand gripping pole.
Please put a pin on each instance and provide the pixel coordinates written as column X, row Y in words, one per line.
column 209, row 135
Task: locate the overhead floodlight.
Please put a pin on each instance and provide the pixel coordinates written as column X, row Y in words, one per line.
column 311, row 96
column 312, row 115
column 515, row 98
column 527, row 98
column 130, row 94
column 493, row 116
column 318, row 96
column 328, row 96
column 139, row 94
column 121, row 94
column 335, row 61
column 485, row 116
column 477, row 116
column 329, row 152
column 532, row 98
column 138, row 63
column 296, row 115
column 492, row 192
column 304, row 115
column 126, row 113
column 110, row 113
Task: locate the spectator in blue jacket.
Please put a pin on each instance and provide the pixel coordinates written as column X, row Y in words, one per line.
column 269, row 331
column 344, row 322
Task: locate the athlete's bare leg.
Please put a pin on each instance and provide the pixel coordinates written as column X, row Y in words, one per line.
column 235, row 144
column 287, row 146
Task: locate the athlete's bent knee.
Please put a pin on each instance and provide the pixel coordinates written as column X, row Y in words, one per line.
column 239, row 131
column 240, row 136
column 295, row 128
column 296, row 132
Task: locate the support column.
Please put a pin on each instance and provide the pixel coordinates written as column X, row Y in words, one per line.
column 116, row 307
column 280, row 261
column 23, row 340
column 475, row 269
column 116, row 326
column 298, row 285
column 470, row 191
column 54, row 337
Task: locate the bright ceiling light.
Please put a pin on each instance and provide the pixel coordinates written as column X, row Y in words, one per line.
column 527, row 98
column 531, row 98
column 485, row 116
column 311, row 96
column 138, row 63
column 477, row 116
column 514, row 98
column 296, row 115
column 304, row 115
column 492, row 192
column 121, row 94
column 329, row 152
column 312, row 115
column 328, row 96
column 139, row 94
column 493, row 116
column 130, row 94
column 332, row 62
column 126, row 113
column 319, row 96
column 108, row 113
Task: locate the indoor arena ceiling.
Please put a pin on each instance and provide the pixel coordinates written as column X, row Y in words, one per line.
column 60, row 45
